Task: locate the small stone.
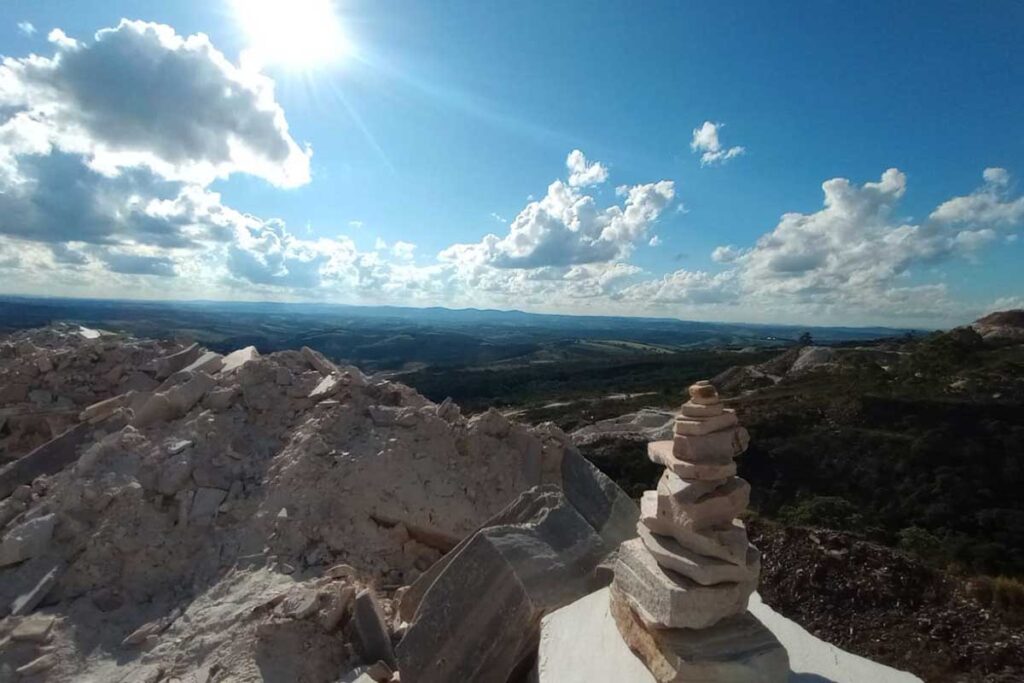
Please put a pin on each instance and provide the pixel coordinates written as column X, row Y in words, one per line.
column 698, row 505
column 705, row 425
column 703, row 393
column 660, row 452
column 35, row 628
column 328, row 386
column 175, row 446
column 38, row 665
column 26, row 540
column 728, row 543
column 706, row 571
column 206, row 502
column 209, row 362
column 691, row 409
column 237, row 359
column 717, row 447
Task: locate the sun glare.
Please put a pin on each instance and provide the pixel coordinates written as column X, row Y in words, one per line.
column 300, row 34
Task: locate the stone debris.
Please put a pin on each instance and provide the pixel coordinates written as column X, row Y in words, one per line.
column 681, row 589
column 370, row 627
column 37, row 666
column 27, row 601
column 237, row 359
column 26, row 540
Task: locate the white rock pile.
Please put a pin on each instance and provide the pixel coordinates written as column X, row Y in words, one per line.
column 681, row 589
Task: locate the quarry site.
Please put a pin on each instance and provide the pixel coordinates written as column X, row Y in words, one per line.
column 170, row 513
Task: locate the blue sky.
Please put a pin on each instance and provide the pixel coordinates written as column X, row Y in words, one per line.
column 446, row 122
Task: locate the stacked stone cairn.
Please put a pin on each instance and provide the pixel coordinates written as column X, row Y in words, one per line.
column 680, row 592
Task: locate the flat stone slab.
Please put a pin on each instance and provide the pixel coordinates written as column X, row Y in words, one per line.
column 698, row 505
column 706, row 425
column 691, row 409
column 715, row 447
column 738, row 649
column 581, row 643
column 727, row 543
column 665, row 599
column 660, row 453
column 706, row 571
column 49, row 458
column 237, row 359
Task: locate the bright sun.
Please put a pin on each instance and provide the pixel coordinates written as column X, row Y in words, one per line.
column 293, row 33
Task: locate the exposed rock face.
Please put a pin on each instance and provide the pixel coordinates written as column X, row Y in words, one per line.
column 681, row 589
column 1001, row 327
column 216, row 514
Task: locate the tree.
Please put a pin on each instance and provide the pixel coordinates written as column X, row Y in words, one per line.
column 805, row 339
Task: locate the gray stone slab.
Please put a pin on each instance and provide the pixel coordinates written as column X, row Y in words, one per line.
column 665, row 599
column 29, row 600
column 371, row 629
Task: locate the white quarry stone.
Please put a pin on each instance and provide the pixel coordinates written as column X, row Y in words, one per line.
column 327, row 387
column 103, row 409
column 706, row 571
column 35, row 628
column 581, row 643
column 715, row 447
column 660, row 452
column 26, row 540
column 210, row 362
column 237, row 359
column 665, row 599
column 89, row 333
column 728, row 543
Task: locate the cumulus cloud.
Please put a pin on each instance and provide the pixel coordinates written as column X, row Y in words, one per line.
column 566, row 227
column 725, row 254
column 583, row 173
column 26, row 27
column 138, row 264
column 141, row 95
column 706, row 143
column 988, row 206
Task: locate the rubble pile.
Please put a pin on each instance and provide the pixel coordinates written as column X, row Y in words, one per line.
column 193, row 516
column 48, row 376
column 681, row 589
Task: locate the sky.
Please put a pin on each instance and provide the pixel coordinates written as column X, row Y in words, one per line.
column 790, row 162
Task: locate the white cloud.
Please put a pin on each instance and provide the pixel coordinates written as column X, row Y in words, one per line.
column 705, row 142
column 654, row 242
column 26, row 28
column 566, row 228
column 988, row 206
column 77, row 102
column 583, row 173
column 726, row 254
column 403, row 251
column 355, row 225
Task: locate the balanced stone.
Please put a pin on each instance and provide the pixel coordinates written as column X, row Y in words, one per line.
column 665, row 599
column 726, row 543
column 703, row 393
column 697, row 505
column 715, row 447
column 706, row 425
column 707, row 571
column 738, row 649
column 660, row 453
column 691, row 409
